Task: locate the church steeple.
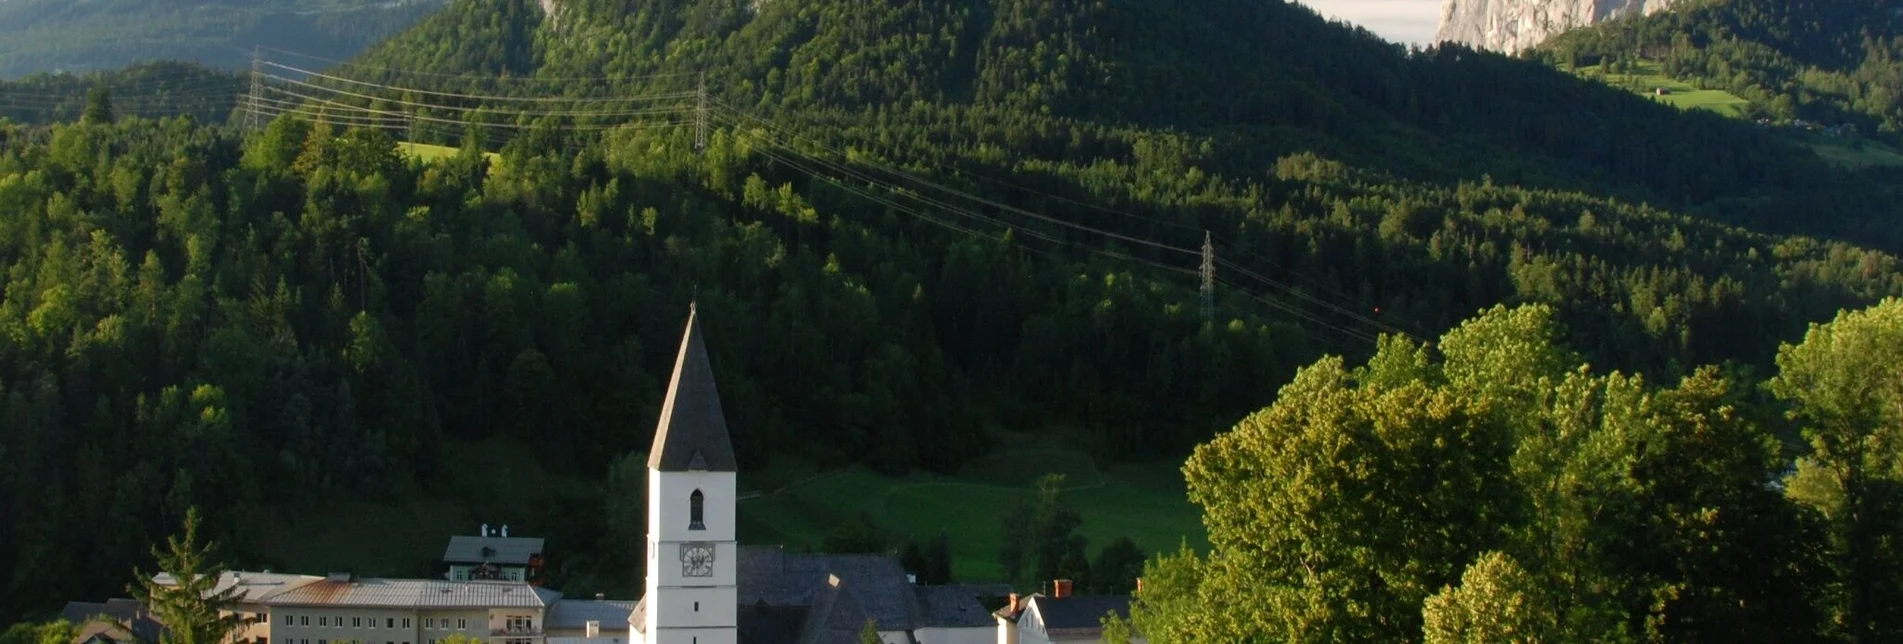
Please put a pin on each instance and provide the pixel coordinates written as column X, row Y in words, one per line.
column 692, row 435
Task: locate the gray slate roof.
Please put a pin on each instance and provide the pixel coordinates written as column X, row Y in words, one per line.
column 692, row 433
column 1079, row 612
column 574, row 614
column 840, row 592
column 130, row 615
column 954, row 606
column 513, row 551
column 873, row 585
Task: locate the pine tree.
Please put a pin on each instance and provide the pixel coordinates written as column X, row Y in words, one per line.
column 190, row 604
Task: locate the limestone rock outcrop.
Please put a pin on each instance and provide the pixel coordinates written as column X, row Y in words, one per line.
column 1512, row 25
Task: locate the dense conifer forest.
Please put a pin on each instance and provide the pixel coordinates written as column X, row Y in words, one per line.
column 263, row 322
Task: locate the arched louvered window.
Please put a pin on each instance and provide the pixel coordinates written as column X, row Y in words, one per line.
column 696, row 514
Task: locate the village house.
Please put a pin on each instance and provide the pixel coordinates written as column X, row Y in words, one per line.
column 490, row 555
column 1059, row 617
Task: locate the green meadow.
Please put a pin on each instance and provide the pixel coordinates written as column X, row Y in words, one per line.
column 791, row 504
column 429, row 152
column 1645, row 79
column 1145, row 502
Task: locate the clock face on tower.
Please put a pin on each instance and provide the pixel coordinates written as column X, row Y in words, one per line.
column 697, row 560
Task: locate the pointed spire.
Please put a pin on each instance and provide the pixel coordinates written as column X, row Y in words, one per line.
column 692, row 434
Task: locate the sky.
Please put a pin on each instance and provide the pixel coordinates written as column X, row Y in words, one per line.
column 1404, row 21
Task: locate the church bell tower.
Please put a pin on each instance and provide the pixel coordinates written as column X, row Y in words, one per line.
column 692, row 555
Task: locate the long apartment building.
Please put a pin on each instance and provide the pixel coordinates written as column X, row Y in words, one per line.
column 339, row 609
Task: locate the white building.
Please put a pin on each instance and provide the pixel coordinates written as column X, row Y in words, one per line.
column 1059, row 617
column 703, row 588
column 492, row 557
column 340, row 609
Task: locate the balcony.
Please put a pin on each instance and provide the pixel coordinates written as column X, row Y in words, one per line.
column 516, row 631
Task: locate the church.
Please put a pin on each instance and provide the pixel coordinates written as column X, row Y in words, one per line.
column 704, row 588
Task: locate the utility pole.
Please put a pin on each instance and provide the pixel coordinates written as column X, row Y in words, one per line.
column 700, row 115
column 1209, row 277
column 257, row 88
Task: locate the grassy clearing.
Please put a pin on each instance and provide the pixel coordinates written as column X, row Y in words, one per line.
column 1645, row 80
column 429, row 153
column 404, row 536
column 1861, row 154
column 1144, row 502
column 399, row 538
column 798, row 508
column 1019, row 469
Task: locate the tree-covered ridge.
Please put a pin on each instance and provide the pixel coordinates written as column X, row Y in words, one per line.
column 1829, row 61
column 152, row 90
column 1494, row 488
column 1257, row 79
column 50, row 36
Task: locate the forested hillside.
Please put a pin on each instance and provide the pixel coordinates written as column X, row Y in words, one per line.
column 1030, row 74
column 910, row 224
column 153, row 90
column 50, row 36
column 1829, row 61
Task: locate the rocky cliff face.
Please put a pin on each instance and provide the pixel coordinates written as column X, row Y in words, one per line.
column 1513, row 25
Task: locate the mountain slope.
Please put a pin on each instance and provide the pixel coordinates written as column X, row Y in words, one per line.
column 78, row 35
column 1260, row 79
column 1829, row 61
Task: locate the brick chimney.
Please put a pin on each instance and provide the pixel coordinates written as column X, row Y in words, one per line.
column 1013, row 607
column 1060, row 588
column 1139, row 585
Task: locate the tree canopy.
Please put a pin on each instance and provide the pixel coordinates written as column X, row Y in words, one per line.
column 1493, row 488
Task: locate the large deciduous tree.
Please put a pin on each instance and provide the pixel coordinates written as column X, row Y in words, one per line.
column 1845, row 386
column 1497, row 602
column 1613, row 510
column 1335, row 512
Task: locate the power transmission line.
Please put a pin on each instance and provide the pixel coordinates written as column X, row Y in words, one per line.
column 480, row 97
column 520, row 79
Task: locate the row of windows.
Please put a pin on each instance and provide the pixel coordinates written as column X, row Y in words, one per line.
column 355, row 622
column 288, row 640
column 443, row 623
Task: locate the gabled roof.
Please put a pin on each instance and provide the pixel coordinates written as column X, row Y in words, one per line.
column 954, row 606
column 416, row 593
column 862, row 586
column 514, row 551
column 251, row 587
column 115, row 620
column 692, row 433
column 1077, row 614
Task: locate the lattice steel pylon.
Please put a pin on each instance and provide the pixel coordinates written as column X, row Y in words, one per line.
column 700, row 115
column 1209, row 277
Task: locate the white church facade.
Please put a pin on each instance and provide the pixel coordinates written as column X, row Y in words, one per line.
column 704, row 588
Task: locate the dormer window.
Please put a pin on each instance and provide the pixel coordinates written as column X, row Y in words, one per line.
column 696, row 515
